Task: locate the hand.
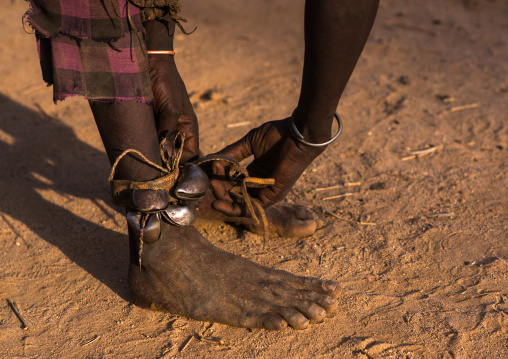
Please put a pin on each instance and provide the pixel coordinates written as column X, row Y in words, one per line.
column 172, row 108
column 276, row 155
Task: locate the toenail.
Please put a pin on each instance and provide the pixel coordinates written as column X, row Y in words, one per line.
column 330, row 300
column 331, row 285
column 304, row 323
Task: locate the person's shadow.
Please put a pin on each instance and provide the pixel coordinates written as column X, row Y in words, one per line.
column 38, row 155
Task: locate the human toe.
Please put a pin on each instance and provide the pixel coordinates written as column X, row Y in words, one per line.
column 272, row 321
column 293, row 317
column 268, row 321
column 303, row 213
column 329, row 304
column 311, row 310
column 299, row 228
column 330, row 287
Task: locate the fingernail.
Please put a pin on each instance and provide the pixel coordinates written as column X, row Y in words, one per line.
column 331, row 285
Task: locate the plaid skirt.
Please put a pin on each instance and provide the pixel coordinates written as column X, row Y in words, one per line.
column 90, row 53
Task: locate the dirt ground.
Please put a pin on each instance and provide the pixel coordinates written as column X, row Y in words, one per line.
column 418, row 240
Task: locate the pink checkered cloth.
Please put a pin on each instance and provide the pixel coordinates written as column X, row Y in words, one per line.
column 88, row 48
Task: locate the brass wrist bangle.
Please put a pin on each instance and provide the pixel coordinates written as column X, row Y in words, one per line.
column 299, row 137
column 160, row 52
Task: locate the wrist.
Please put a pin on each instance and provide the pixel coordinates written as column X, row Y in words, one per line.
column 162, row 62
column 314, row 129
column 159, row 34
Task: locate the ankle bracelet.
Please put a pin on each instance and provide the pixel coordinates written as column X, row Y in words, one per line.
column 299, row 137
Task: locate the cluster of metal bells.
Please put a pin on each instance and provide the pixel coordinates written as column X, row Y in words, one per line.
column 190, row 187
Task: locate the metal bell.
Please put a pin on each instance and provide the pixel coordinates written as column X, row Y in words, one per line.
column 181, row 215
column 192, row 183
column 149, row 200
column 151, row 230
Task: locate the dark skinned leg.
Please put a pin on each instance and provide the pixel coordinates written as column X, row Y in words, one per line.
column 335, row 34
column 185, row 274
column 128, row 125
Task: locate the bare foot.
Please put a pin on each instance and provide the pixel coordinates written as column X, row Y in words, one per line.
column 283, row 219
column 287, row 221
column 185, row 274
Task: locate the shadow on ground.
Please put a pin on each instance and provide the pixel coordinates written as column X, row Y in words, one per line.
column 42, row 158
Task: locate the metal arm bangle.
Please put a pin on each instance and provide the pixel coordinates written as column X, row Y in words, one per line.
column 298, row 136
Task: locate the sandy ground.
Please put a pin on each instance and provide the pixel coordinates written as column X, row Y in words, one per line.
column 421, row 245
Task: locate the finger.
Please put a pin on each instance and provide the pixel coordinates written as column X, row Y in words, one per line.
column 225, row 203
column 221, row 190
column 191, row 144
column 240, row 149
column 190, row 148
column 231, row 209
column 166, row 119
column 219, row 169
column 188, row 123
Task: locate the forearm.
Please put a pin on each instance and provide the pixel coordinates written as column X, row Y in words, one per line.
column 160, row 34
column 172, row 108
column 335, row 34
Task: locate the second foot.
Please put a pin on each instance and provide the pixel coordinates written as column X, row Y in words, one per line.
column 288, row 220
column 285, row 220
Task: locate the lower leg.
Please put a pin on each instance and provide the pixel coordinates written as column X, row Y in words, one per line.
column 123, row 126
column 128, row 125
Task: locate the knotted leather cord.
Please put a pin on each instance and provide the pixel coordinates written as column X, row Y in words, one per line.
column 240, row 190
column 144, row 219
column 164, row 182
